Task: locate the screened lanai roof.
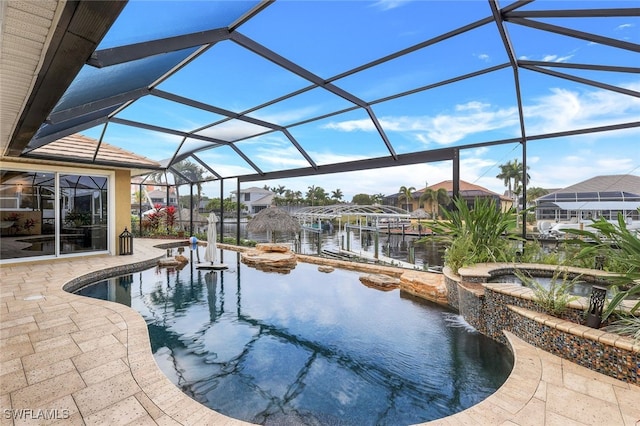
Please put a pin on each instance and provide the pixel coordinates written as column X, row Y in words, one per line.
column 597, row 193
column 343, row 210
column 258, row 90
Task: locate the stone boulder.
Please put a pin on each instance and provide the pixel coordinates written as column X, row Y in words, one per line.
column 270, row 258
column 273, row 247
column 426, row 285
column 177, row 262
column 380, row 281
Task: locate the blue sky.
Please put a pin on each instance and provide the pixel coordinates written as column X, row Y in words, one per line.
column 329, row 38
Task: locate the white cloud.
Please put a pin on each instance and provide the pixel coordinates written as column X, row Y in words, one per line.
column 443, row 129
column 556, row 58
column 351, row 125
column 564, row 109
column 389, row 4
column 624, row 27
column 483, row 57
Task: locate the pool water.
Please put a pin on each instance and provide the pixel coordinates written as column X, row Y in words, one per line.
column 308, row 347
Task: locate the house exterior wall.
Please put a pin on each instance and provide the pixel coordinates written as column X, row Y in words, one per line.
column 122, row 204
column 254, row 199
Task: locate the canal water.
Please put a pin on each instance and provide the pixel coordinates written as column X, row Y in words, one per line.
column 393, row 245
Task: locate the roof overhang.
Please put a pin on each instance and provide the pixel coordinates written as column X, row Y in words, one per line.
column 70, row 32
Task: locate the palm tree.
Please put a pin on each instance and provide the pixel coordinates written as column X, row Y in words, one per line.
column 195, row 174
column 535, row 193
column 337, row 195
column 429, row 196
column 377, row 198
column 443, row 198
column 311, row 193
column 436, row 198
column 512, row 174
column 406, row 193
column 316, row 194
column 321, row 195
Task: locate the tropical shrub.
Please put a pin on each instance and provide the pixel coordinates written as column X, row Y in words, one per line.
column 626, row 326
column 477, row 235
column 556, row 298
column 533, row 252
column 621, row 246
column 170, row 216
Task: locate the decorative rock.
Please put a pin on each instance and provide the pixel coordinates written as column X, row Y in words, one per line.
column 429, row 286
column 380, row 282
column 168, row 262
column 270, row 261
column 272, row 247
column 326, row 269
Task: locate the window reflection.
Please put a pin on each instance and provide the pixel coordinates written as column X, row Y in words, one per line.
column 27, row 214
column 83, row 213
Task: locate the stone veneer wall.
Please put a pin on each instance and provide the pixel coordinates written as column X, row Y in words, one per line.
column 606, row 353
column 451, row 282
column 498, row 306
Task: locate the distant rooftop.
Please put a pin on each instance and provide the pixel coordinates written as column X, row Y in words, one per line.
column 622, row 183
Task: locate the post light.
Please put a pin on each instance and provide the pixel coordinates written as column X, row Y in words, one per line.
column 126, row 242
column 596, row 304
column 194, row 243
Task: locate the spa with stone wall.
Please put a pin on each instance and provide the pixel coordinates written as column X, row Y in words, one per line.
column 494, row 307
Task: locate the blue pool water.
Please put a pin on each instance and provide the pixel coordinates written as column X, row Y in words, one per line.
column 308, row 347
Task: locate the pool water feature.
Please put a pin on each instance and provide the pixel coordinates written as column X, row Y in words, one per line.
column 308, row 347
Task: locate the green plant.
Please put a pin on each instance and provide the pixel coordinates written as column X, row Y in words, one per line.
column 78, row 218
column 533, row 252
column 477, row 235
column 553, row 299
column 626, row 326
column 621, row 248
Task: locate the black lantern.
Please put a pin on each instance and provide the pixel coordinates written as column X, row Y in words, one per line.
column 596, row 304
column 126, row 242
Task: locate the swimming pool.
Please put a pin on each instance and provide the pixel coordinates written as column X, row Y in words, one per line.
column 308, row 347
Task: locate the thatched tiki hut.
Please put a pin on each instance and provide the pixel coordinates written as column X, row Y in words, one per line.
column 419, row 214
column 273, row 220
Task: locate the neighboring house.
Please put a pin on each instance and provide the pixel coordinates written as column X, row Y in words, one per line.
column 600, row 196
column 152, row 193
column 468, row 191
column 67, row 206
column 254, row 199
column 159, row 196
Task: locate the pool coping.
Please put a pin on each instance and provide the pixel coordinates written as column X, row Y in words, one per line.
column 92, row 358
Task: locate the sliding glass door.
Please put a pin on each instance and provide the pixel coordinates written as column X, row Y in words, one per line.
column 83, row 213
column 44, row 213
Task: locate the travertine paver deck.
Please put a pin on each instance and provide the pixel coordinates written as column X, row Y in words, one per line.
column 87, row 361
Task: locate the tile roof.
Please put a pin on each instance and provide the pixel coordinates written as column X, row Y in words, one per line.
column 83, row 149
